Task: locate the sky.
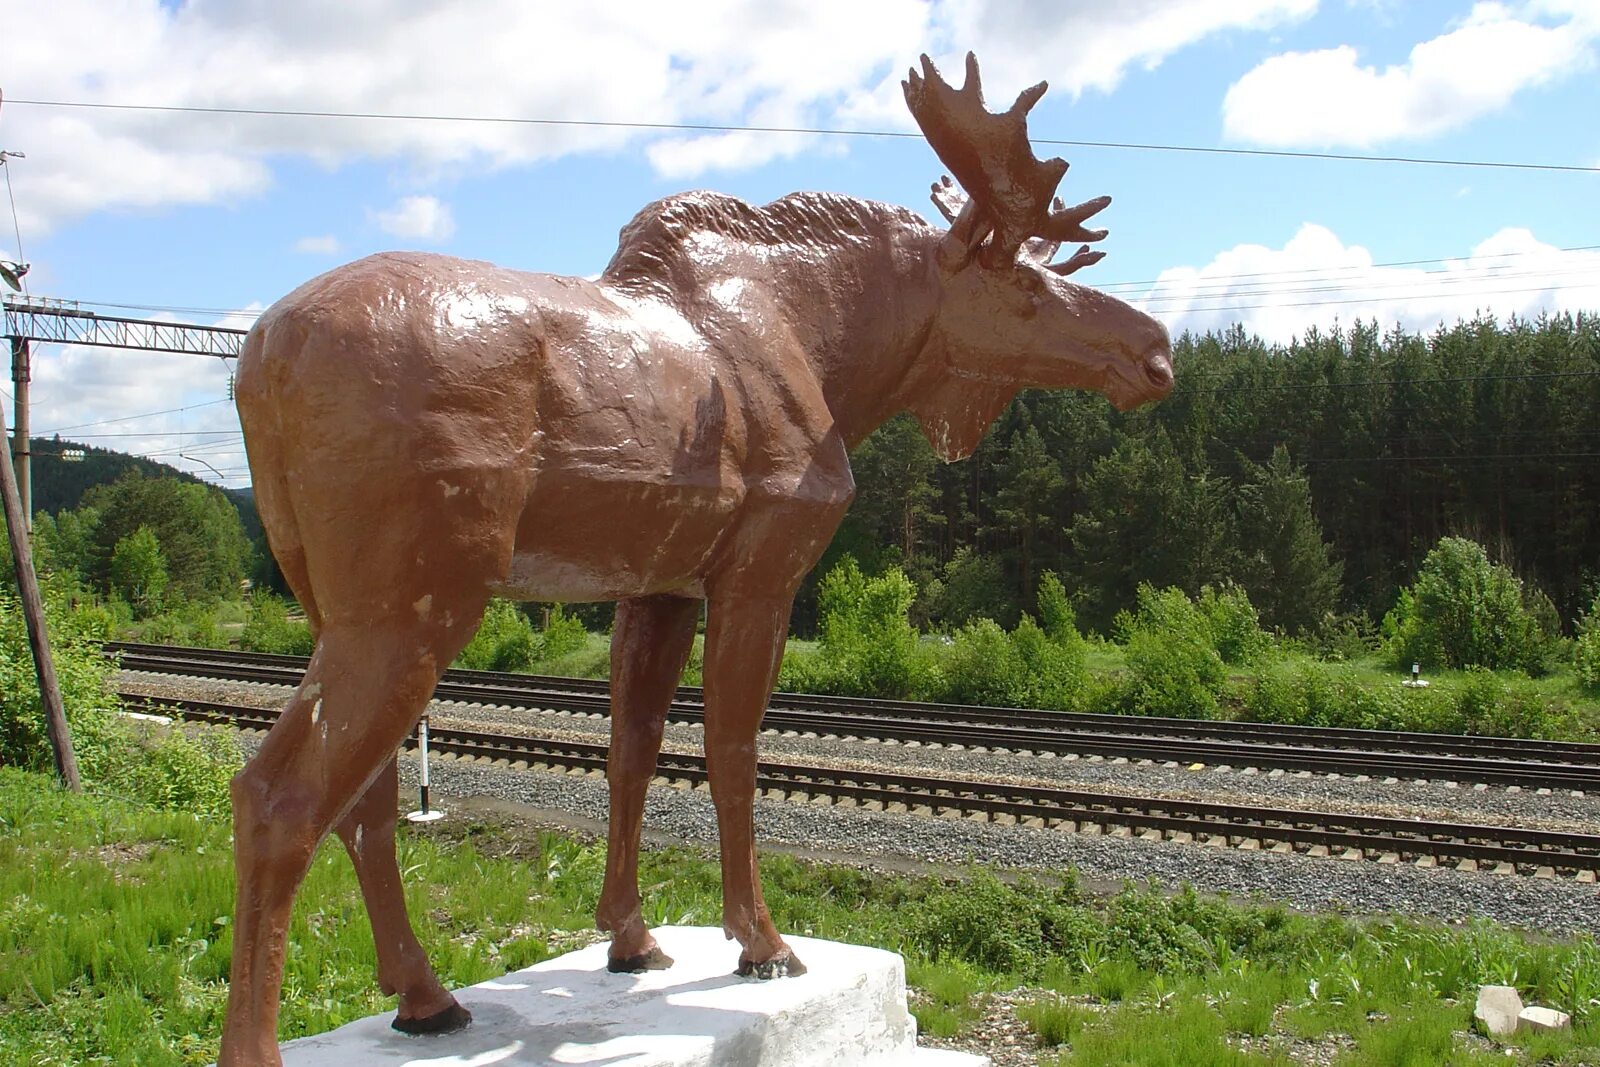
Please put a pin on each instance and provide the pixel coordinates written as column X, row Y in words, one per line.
column 210, row 216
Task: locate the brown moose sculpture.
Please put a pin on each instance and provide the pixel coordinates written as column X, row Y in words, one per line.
column 427, row 432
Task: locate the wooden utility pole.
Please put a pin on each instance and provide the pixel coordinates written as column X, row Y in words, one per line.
column 55, row 716
column 22, row 444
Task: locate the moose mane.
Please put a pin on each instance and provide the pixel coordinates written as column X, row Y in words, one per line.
column 657, row 246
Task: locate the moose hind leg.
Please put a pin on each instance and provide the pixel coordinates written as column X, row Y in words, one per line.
column 368, row 835
column 744, row 645
column 364, row 689
column 650, row 645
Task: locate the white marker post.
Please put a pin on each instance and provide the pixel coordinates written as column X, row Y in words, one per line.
column 425, row 814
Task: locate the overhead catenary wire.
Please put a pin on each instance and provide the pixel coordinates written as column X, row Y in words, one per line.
column 134, row 418
column 821, row 131
column 1155, row 288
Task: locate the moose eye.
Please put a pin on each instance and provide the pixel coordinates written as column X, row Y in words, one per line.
column 1030, row 280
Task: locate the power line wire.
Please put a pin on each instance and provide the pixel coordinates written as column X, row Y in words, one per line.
column 133, row 418
column 702, row 127
column 1371, row 266
column 1153, row 286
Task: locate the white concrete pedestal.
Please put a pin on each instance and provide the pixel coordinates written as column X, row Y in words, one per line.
column 849, row 1009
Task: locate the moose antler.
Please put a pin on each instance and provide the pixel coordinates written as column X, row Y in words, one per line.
column 1011, row 190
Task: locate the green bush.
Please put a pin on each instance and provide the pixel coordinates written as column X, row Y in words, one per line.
column 82, row 674
column 1053, row 670
column 504, row 641
column 268, row 628
column 1464, row 611
column 160, row 767
column 867, row 645
column 1235, row 627
column 563, row 635
column 1586, row 651
column 1495, row 706
column 1005, row 929
column 1056, row 617
column 192, row 625
column 1173, row 665
column 176, row 768
column 982, row 666
column 139, row 571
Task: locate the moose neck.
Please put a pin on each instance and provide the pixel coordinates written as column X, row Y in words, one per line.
column 868, row 313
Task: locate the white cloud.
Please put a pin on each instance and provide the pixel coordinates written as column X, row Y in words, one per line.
column 1316, row 279
column 324, row 245
column 784, row 63
column 1091, row 46
column 1076, row 47
column 424, row 218
column 1328, row 97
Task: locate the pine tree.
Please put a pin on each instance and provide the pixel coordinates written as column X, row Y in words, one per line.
column 1286, row 567
column 1029, row 484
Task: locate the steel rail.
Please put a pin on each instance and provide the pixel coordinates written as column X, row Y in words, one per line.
column 1567, row 765
column 1387, row 839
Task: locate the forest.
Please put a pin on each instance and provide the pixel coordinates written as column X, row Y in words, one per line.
column 1315, row 475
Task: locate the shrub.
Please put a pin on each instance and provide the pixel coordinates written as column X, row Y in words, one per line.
column 268, row 628
column 139, row 571
column 974, row 587
column 504, row 640
column 1494, row 706
column 192, row 625
column 1173, row 665
column 1235, row 627
column 178, row 768
column 162, row 768
column 1464, row 611
column 867, row 645
column 982, row 666
column 563, row 635
column 1586, row 653
column 1005, row 929
column 1056, row 617
column 82, row 674
column 1053, row 670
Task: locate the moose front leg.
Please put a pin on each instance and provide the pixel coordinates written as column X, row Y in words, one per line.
column 744, row 645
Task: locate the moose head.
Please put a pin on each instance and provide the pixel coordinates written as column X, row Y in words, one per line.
column 1010, row 317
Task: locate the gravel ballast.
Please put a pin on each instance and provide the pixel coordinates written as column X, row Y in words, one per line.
column 1551, row 906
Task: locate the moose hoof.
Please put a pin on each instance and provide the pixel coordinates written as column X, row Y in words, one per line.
column 653, row 959
column 448, row 1021
column 784, row 965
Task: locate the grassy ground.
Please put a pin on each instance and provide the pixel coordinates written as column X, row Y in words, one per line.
column 114, row 946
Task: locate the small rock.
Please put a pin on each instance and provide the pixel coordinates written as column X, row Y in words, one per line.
column 1541, row 1020
column 1498, row 1009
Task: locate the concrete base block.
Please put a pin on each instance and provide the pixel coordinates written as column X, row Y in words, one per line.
column 848, row 1009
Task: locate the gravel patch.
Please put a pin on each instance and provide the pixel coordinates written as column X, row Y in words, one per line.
column 1298, row 881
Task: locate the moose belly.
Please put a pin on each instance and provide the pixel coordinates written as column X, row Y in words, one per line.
column 602, row 541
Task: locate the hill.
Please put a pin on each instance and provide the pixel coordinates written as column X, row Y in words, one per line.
column 59, row 485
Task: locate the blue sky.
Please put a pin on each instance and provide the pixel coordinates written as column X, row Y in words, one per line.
column 183, row 210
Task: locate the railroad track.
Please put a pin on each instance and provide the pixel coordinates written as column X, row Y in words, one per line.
column 1375, row 753
column 1503, row 849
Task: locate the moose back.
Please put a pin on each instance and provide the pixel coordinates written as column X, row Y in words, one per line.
column 426, row 432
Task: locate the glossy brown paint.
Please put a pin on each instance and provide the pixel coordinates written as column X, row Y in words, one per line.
column 427, row 432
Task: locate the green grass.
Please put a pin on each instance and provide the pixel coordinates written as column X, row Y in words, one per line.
column 1054, row 1021
column 114, row 943
column 1186, row 1033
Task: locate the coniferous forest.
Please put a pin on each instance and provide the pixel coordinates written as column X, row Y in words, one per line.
column 1316, row 475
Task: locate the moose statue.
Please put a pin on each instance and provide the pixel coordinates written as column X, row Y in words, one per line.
column 425, row 433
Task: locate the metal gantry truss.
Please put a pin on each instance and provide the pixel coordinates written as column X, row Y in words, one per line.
column 37, row 319
column 62, row 322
